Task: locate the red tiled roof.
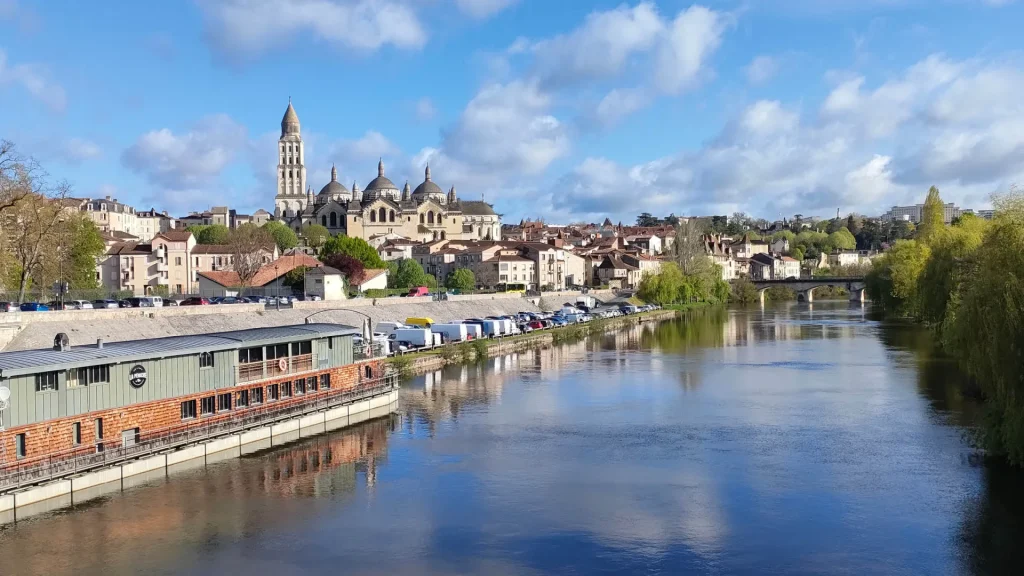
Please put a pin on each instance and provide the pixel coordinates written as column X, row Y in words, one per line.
column 267, row 274
column 212, row 249
column 175, row 235
column 370, row 274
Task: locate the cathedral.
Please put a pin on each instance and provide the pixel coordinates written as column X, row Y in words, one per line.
column 379, row 211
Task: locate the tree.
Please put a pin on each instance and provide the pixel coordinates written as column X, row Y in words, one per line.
column 841, row 239
column 80, row 245
column 893, row 279
column 354, row 247
column 797, row 253
column 296, row 278
column 19, row 177
column 284, row 236
column 212, row 234
column 315, row 235
column 409, row 274
column 351, row 267
column 247, row 243
column 29, row 228
column 460, row 279
column 645, row 219
column 743, row 291
column 688, row 250
column 933, row 215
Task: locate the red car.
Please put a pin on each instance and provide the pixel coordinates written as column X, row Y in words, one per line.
column 536, row 325
column 194, row 301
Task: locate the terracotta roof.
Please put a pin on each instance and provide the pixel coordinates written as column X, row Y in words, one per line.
column 371, row 273
column 267, row 274
column 212, row 249
column 130, row 248
column 175, row 235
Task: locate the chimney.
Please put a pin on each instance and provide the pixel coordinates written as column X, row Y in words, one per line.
column 99, row 342
column 107, row 197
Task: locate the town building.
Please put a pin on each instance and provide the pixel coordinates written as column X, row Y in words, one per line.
column 950, row 211
column 269, row 280
column 426, row 213
column 112, row 216
column 325, row 282
column 162, row 266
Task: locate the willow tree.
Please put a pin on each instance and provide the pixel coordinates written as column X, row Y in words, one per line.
column 985, row 327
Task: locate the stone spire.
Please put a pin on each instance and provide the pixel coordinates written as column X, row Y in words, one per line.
column 290, row 122
column 380, row 168
column 426, row 173
column 356, row 194
column 407, row 191
column 309, row 194
column 452, row 198
column 334, row 173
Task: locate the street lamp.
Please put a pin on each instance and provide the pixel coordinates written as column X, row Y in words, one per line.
column 277, row 287
column 60, row 262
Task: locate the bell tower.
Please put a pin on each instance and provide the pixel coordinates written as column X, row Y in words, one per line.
column 291, row 167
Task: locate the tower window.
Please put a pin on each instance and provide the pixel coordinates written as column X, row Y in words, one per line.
column 391, row 216
column 334, row 220
column 323, row 221
column 383, row 214
column 421, row 218
column 373, row 215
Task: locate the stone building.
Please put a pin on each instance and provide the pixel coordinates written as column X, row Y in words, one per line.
column 381, row 209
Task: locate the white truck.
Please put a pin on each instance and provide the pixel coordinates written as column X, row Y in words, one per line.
column 589, row 301
column 387, row 328
column 412, row 337
column 451, row 332
column 473, row 331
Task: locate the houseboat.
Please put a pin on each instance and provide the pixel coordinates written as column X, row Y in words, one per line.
column 72, row 409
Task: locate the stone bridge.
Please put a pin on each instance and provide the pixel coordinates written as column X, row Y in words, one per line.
column 804, row 287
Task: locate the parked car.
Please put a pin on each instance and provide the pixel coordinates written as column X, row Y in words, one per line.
column 57, row 305
column 231, row 300
column 195, row 301
column 419, row 291
column 172, row 302
column 124, row 303
column 33, row 307
column 8, row 306
column 105, row 304
column 536, row 325
column 82, row 304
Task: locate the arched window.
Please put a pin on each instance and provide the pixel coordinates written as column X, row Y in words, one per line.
column 391, row 216
column 421, row 218
column 334, row 220
column 373, row 215
column 383, row 215
column 443, row 235
column 323, row 221
column 430, row 217
column 368, row 371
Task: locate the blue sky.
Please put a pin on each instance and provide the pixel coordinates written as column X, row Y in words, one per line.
column 566, row 110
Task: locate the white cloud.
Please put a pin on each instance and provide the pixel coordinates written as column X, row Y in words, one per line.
column 425, row 109
column 693, row 36
column 34, row 79
column 188, row 161
column 619, row 103
column 79, row 149
column 483, row 8
column 958, row 125
column 245, row 27
column 371, row 146
column 762, row 69
column 600, row 47
column 505, row 130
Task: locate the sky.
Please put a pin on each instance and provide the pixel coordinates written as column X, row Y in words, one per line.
column 565, row 110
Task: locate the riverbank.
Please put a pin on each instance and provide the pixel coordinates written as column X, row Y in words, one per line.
column 420, row 362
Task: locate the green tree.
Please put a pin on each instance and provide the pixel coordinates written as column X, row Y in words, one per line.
column 85, row 245
column 743, row 291
column 661, row 287
column 354, row 247
column 410, row 274
column 784, row 234
column 984, row 327
column 315, row 235
column 646, row 219
column 841, row 239
column 797, row 253
column 460, row 279
column 952, row 251
column 893, row 279
column 284, row 236
column 296, row 278
column 933, row 216
column 213, row 234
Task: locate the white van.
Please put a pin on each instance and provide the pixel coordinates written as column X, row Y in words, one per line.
column 473, row 331
column 387, row 328
column 413, row 337
column 451, row 332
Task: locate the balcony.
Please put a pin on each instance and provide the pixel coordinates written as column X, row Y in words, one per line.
column 161, row 266
column 252, row 371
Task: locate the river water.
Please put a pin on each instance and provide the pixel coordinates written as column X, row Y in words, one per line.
column 789, row 440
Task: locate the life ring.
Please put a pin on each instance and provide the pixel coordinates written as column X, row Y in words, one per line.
column 282, row 364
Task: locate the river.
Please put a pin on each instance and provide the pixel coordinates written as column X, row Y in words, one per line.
column 789, row 440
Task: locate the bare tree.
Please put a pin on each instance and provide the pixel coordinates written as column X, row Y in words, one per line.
column 688, row 250
column 29, row 226
column 19, row 176
column 247, row 244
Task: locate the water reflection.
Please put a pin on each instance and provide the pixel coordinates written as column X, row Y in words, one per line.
column 785, row 439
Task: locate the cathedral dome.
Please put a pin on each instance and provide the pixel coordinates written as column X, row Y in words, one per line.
column 381, row 186
column 333, row 190
column 428, row 189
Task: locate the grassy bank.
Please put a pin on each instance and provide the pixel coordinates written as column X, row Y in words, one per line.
column 478, row 350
